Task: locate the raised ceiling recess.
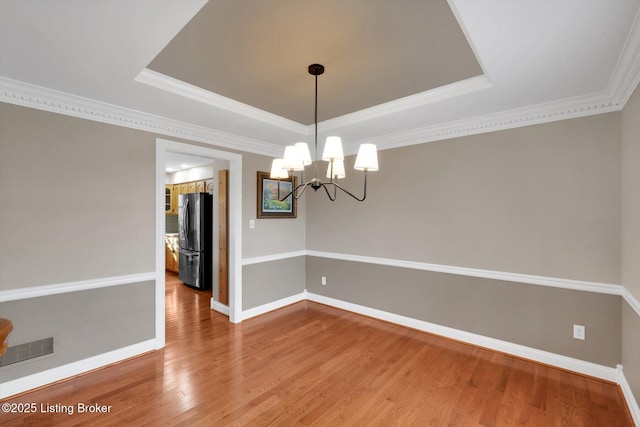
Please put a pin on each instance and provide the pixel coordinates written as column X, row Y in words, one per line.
column 257, row 53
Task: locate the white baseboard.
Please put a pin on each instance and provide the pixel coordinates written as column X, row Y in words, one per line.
column 632, row 403
column 569, row 363
column 49, row 376
column 40, row 379
column 219, row 307
column 274, row 305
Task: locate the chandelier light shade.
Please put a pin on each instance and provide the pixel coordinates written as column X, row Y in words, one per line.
column 277, row 171
column 303, row 150
column 333, row 149
column 297, row 156
column 338, row 169
column 292, row 160
column 367, row 159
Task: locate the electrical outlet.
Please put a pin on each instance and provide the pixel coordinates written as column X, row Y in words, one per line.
column 579, row 332
column 324, row 280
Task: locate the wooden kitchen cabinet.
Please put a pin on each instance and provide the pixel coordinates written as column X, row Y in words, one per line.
column 171, row 199
column 172, row 255
column 174, row 199
column 168, row 199
column 172, row 191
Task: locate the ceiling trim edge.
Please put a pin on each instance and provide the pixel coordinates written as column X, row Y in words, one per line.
column 624, row 80
column 626, row 74
column 179, row 87
column 456, row 14
column 27, row 95
column 544, row 113
column 187, row 90
column 412, row 101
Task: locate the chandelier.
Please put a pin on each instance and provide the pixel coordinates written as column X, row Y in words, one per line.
column 297, row 156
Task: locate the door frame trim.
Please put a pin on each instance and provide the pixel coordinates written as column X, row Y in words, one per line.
column 235, row 228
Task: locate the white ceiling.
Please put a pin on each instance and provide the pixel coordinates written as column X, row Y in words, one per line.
column 175, row 162
column 542, row 60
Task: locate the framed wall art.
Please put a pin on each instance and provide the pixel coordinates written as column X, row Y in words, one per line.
column 269, row 193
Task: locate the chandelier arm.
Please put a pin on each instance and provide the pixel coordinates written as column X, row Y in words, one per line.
column 305, row 186
column 324, row 185
column 316, row 183
column 293, row 192
column 350, row 193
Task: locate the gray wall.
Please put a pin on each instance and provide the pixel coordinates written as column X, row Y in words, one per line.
column 535, row 316
column 631, row 238
column 272, row 235
column 82, row 324
column 271, row 281
column 541, row 200
column 77, row 203
column 631, row 194
column 76, row 199
column 545, row 200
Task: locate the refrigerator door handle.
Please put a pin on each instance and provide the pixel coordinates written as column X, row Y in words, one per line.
column 188, row 253
column 186, row 221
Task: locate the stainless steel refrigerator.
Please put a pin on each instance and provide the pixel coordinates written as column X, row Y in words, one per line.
column 195, row 217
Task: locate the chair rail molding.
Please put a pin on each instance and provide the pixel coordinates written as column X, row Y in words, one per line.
column 81, row 285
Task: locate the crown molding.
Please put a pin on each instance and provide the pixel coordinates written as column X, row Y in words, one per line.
column 178, row 87
column 625, row 78
column 539, row 114
column 626, row 74
column 32, row 96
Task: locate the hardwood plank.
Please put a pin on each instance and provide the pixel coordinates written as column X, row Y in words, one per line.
column 312, row 365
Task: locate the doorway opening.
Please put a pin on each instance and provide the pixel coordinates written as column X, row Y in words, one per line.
column 165, row 149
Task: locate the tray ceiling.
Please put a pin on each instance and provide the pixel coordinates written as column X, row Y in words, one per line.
column 257, row 53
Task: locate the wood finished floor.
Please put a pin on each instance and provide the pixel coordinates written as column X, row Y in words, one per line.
column 313, row 365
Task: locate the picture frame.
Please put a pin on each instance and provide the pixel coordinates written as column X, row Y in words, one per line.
column 268, row 205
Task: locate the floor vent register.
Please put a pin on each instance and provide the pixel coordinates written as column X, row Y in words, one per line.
column 30, row 350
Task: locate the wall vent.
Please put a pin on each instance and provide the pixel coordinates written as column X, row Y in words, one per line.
column 30, row 350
